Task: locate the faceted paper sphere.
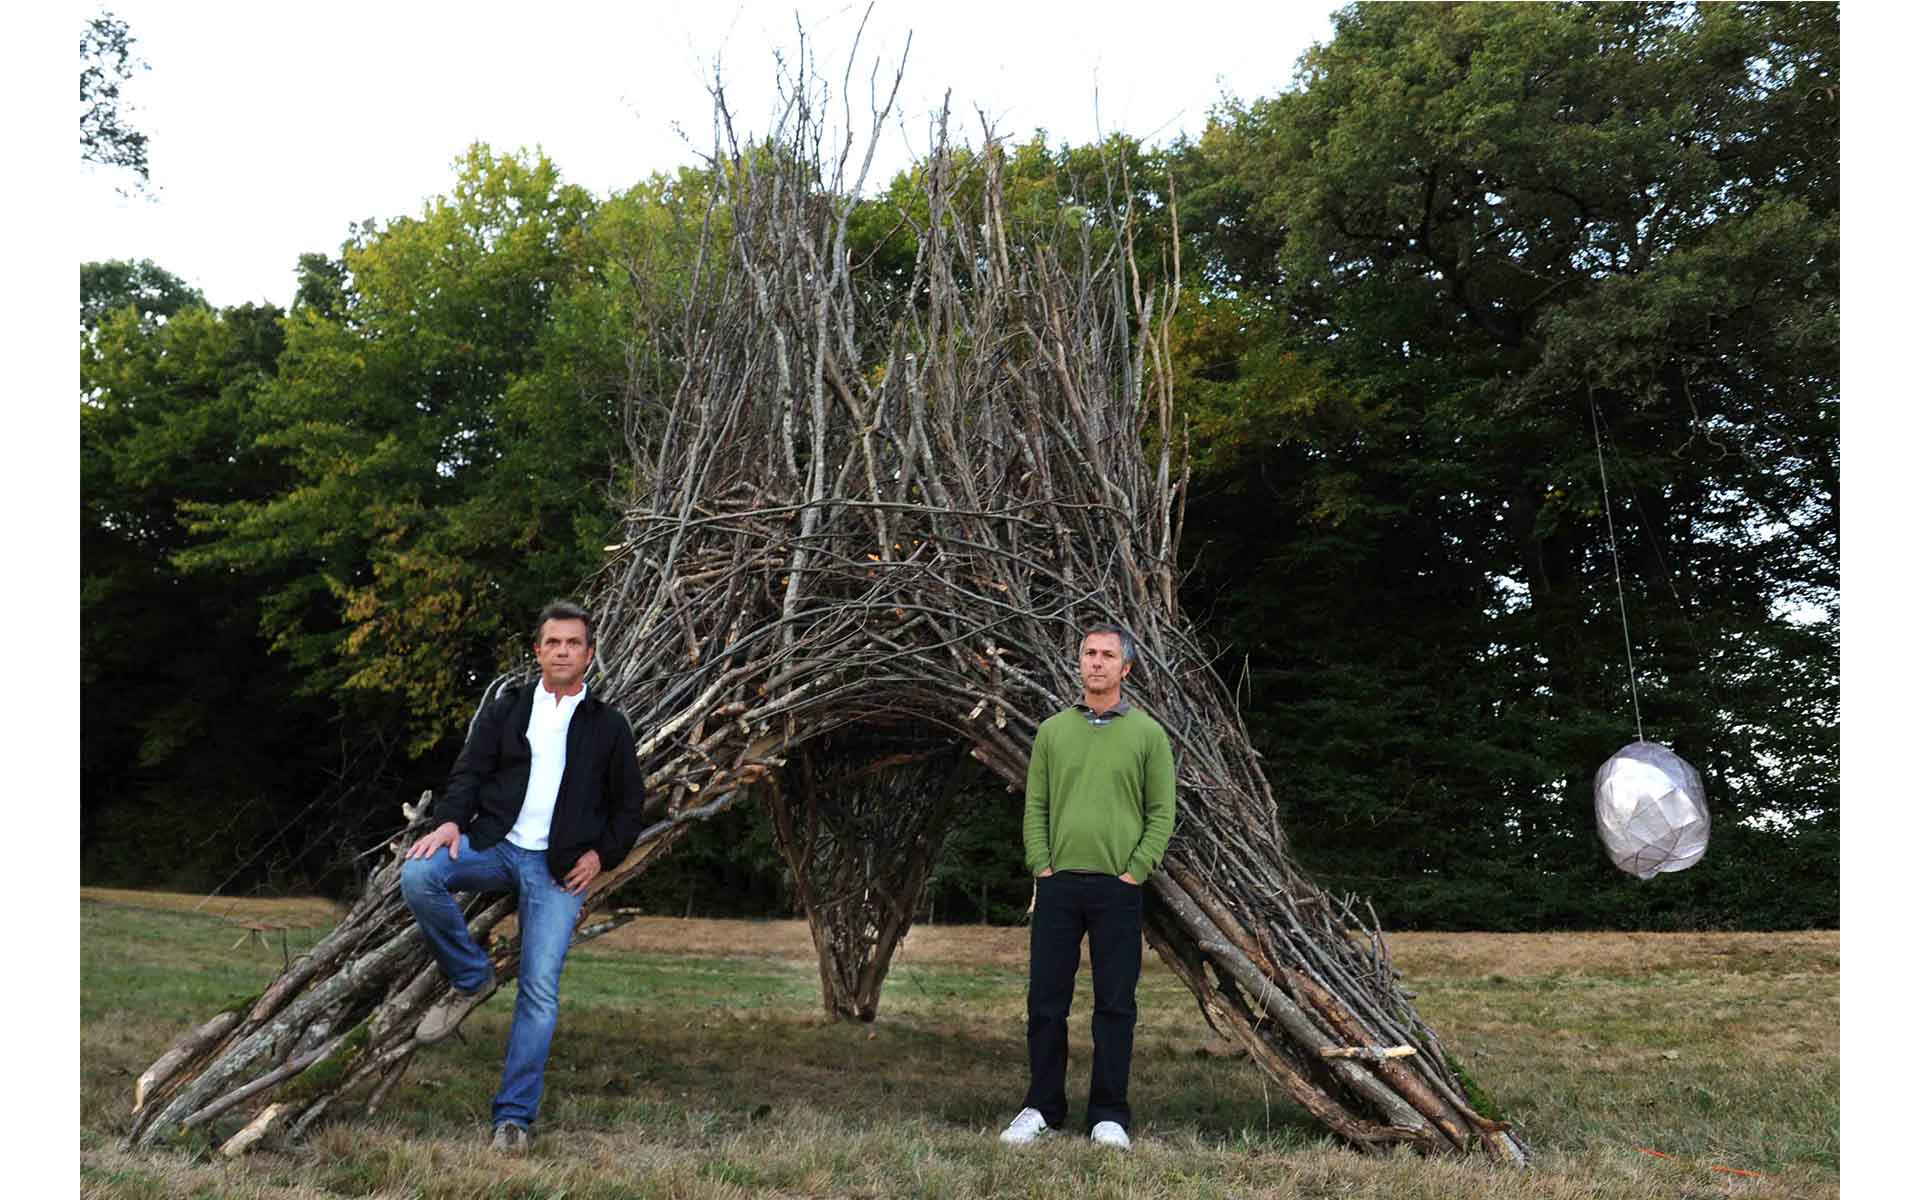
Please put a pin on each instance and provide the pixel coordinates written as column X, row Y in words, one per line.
column 1651, row 809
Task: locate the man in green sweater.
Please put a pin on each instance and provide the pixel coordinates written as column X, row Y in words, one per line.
column 1099, row 814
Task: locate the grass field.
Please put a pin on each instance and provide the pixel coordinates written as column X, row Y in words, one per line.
column 692, row 1061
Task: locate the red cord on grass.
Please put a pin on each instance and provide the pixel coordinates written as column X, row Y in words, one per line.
column 1710, row 1166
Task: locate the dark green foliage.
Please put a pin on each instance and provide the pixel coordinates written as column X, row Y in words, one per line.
column 726, row 867
column 981, row 873
column 106, row 62
column 323, row 287
column 1468, row 235
column 182, row 781
column 153, row 291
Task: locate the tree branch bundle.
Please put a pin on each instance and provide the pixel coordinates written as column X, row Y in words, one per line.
column 859, row 823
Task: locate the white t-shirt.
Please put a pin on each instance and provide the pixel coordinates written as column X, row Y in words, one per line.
column 547, row 733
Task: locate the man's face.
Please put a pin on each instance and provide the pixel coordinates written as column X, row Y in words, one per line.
column 563, row 653
column 1101, row 666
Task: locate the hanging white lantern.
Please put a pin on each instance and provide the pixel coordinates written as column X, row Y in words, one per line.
column 1652, row 810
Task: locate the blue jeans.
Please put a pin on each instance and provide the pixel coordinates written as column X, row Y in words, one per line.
column 547, row 916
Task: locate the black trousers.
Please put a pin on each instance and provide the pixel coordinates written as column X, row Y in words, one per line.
column 1106, row 912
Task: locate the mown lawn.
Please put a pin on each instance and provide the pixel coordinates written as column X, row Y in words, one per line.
column 692, row 1061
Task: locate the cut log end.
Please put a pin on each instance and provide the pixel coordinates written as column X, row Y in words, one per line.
column 270, row 1117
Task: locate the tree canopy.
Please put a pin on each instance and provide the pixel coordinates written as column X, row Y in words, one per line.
column 1472, row 242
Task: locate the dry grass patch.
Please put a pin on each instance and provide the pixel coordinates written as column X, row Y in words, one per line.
column 297, row 912
column 1815, row 952
column 972, row 945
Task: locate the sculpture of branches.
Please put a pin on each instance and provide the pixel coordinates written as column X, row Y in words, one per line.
column 861, row 505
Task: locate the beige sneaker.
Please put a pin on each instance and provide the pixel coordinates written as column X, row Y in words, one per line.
column 445, row 1016
column 1110, row 1133
column 511, row 1139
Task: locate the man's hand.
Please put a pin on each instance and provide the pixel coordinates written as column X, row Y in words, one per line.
column 448, row 835
column 1043, row 874
column 583, row 872
column 1127, row 877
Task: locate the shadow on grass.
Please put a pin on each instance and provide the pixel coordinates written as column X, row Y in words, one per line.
column 641, row 1039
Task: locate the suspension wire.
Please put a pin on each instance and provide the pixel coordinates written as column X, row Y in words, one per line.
column 1613, row 545
column 1701, row 657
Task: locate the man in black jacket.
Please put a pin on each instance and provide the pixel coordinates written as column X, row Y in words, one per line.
column 545, row 796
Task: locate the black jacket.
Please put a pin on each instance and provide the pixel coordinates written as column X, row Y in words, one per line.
column 601, row 790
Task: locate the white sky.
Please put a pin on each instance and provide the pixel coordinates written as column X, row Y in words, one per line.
column 273, row 126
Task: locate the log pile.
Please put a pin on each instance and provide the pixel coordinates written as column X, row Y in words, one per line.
column 866, row 504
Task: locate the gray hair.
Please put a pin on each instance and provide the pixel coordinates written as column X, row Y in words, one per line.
column 563, row 610
column 1126, row 639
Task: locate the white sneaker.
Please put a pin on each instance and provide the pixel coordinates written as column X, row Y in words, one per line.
column 1109, row 1133
column 1029, row 1126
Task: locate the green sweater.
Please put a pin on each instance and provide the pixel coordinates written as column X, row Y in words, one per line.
column 1099, row 797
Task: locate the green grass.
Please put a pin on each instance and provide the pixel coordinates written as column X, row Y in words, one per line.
column 713, row 1075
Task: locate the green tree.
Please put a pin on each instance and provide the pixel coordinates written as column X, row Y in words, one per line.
column 351, row 510
column 154, row 292
column 195, row 755
column 447, row 406
column 1466, row 237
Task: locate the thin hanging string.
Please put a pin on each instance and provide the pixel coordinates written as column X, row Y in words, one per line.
column 1613, row 545
column 1702, row 659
